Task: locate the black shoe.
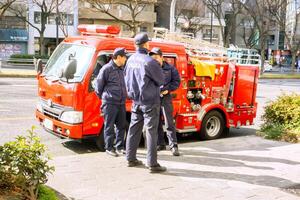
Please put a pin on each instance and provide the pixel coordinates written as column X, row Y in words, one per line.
column 112, row 153
column 134, row 163
column 161, row 147
column 157, row 168
column 121, row 151
column 175, row 151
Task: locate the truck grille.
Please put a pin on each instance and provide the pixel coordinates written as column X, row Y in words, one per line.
column 51, row 114
column 54, row 110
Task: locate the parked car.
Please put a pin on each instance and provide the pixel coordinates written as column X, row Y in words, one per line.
column 267, row 67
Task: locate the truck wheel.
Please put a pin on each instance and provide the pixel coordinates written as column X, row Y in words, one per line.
column 212, row 125
column 100, row 141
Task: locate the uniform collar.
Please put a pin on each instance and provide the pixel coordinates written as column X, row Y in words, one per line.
column 115, row 66
column 166, row 65
column 142, row 50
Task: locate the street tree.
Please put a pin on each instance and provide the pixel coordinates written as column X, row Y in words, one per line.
column 64, row 19
column 46, row 8
column 4, row 5
column 257, row 10
column 190, row 15
column 249, row 32
column 216, row 7
column 233, row 8
column 133, row 7
column 277, row 10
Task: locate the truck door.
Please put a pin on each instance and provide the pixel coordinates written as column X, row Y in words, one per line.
column 93, row 121
column 245, row 86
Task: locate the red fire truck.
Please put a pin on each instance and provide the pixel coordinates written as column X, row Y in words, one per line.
column 214, row 95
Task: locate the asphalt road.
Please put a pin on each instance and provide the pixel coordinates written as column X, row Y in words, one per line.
column 18, row 98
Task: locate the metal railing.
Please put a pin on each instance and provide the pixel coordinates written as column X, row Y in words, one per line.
column 18, row 62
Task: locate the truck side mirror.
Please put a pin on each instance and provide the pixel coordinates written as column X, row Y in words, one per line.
column 39, row 66
column 70, row 69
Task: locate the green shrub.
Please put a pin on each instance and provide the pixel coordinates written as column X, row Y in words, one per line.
column 29, row 56
column 46, row 193
column 282, row 118
column 273, row 132
column 24, row 165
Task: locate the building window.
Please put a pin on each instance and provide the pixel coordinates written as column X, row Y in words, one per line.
column 125, row 28
column 67, row 19
column 51, row 19
column 207, row 34
column 37, row 17
column 143, row 29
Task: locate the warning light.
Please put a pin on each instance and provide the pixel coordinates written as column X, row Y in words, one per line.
column 89, row 29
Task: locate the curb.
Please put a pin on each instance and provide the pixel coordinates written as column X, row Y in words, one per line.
column 17, row 75
column 295, row 78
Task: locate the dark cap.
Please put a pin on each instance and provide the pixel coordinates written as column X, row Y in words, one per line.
column 141, row 38
column 155, row 51
column 119, row 52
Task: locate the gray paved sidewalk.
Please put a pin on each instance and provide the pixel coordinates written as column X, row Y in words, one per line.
column 231, row 168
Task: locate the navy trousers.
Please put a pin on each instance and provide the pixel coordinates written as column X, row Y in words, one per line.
column 167, row 112
column 148, row 116
column 114, row 114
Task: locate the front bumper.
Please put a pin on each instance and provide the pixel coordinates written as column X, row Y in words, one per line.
column 73, row 131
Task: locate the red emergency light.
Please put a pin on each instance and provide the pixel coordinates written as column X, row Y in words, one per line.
column 98, row 29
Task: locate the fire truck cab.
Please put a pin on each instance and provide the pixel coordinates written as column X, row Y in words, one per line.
column 213, row 95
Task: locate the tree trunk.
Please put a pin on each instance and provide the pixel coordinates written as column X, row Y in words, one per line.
column 294, row 54
column 262, row 55
column 41, row 44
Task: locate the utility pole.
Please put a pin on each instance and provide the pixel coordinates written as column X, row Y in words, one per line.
column 172, row 15
column 211, row 25
column 56, row 20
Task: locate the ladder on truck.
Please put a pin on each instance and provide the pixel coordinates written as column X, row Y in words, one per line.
column 196, row 48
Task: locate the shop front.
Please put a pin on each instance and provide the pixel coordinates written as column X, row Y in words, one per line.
column 13, row 41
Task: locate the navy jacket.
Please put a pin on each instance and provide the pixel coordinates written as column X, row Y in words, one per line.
column 172, row 78
column 143, row 78
column 110, row 84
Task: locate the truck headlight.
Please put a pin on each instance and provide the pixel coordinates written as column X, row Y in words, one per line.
column 72, row 117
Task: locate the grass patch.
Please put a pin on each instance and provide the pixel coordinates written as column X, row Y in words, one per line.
column 280, row 76
column 46, row 193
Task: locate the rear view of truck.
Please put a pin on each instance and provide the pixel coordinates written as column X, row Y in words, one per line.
column 217, row 92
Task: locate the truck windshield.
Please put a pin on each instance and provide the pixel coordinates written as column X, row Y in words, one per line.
column 60, row 58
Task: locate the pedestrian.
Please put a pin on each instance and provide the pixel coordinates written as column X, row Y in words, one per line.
column 143, row 78
column 172, row 82
column 110, row 88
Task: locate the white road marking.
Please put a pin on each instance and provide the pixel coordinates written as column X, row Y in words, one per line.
column 18, row 100
column 4, row 110
column 16, row 118
column 20, row 85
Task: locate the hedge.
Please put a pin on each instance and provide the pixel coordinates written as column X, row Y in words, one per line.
column 281, row 120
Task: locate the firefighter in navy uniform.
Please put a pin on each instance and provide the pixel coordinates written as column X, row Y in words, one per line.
column 143, row 78
column 172, row 82
column 110, row 87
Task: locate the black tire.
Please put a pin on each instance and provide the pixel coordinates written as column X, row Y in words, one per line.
column 213, row 125
column 100, row 143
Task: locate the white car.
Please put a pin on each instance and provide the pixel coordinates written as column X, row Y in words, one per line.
column 267, row 67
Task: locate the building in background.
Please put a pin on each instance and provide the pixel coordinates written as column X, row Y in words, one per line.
column 246, row 34
column 191, row 17
column 13, row 36
column 69, row 13
column 18, row 37
column 90, row 15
